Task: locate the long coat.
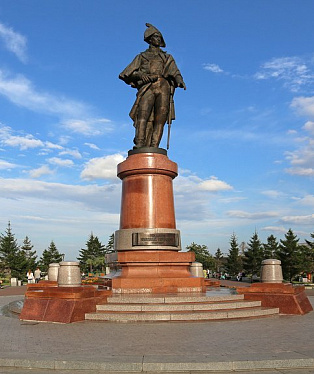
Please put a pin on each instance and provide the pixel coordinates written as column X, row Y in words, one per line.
column 170, row 72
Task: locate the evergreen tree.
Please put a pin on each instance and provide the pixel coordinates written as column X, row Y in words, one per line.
column 234, row 261
column 308, row 256
column 202, row 255
column 49, row 256
column 110, row 245
column 90, row 256
column 253, row 256
column 271, row 248
column 218, row 260
column 30, row 255
column 10, row 256
column 289, row 255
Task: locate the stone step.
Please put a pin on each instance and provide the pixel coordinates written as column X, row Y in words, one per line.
column 199, row 306
column 165, row 299
column 182, row 316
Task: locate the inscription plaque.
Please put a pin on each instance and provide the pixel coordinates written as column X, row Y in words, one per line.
column 157, row 239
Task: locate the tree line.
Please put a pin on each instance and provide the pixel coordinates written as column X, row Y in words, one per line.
column 296, row 258
column 16, row 260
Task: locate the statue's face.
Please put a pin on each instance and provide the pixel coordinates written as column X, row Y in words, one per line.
column 155, row 40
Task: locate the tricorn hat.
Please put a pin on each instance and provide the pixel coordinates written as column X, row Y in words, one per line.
column 150, row 31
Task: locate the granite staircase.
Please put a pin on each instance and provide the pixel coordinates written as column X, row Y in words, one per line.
column 185, row 307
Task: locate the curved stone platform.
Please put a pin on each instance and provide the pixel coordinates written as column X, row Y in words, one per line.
column 171, row 308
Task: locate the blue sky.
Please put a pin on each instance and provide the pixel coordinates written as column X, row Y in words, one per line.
column 243, row 136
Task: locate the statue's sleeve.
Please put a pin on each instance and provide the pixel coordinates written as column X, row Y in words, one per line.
column 126, row 74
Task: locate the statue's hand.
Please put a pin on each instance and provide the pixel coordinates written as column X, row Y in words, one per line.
column 182, row 85
column 145, row 78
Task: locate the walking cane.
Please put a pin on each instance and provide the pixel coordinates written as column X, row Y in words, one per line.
column 168, row 138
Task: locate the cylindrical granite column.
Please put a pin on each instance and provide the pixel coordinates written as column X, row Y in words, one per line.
column 147, row 218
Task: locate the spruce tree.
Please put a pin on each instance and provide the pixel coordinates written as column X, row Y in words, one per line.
column 289, row 255
column 30, row 255
column 308, row 255
column 10, row 257
column 253, row 256
column 270, row 249
column 110, row 245
column 90, row 257
column 218, row 260
column 234, row 261
column 49, row 256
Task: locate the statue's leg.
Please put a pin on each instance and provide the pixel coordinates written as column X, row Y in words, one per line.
column 161, row 112
column 143, row 113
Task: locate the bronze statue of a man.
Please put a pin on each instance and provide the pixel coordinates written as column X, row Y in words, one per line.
column 155, row 75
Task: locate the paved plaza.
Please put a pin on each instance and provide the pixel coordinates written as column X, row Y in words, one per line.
column 93, row 347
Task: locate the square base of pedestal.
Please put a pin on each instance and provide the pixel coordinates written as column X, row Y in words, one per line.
column 157, row 285
column 289, row 299
column 61, row 304
column 156, row 272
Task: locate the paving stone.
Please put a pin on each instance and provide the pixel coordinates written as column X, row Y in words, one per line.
column 283, row 343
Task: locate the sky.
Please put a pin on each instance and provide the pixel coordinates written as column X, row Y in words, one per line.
column 243, row 137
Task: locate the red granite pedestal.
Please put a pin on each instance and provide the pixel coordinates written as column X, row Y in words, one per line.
column 289, row 299
column 148, row 242
column 46, row 302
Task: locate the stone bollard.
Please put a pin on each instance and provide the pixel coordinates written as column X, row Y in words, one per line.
column 69, row 274
column 13, row 282
column 271, row 271
column 53, row 271
column 196, row 269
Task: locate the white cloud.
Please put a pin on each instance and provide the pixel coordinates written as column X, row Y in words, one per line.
column 304, row 105
column 102, row 167
column 92, row 146
column 53, row 145
column 278, row 229
column 43, row 170
column 6, row 165
column 299, row 220
column 273, row 194
column 60, row 162
column 199, row 193
column 23, row 142
column 20, row 91
column 214, row 68
column 307, row 200
column 302, row 159
column 14, row 42
column 309, row 126
column 93, row 126
column 305, row 172
column 294, row 72
column 105, row 198
column 214, row 185
column 71, row 152
column 251, row 216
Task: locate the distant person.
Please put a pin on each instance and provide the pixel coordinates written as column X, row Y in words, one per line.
column 37, row 275
column 30, row 276
column 239, row 277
